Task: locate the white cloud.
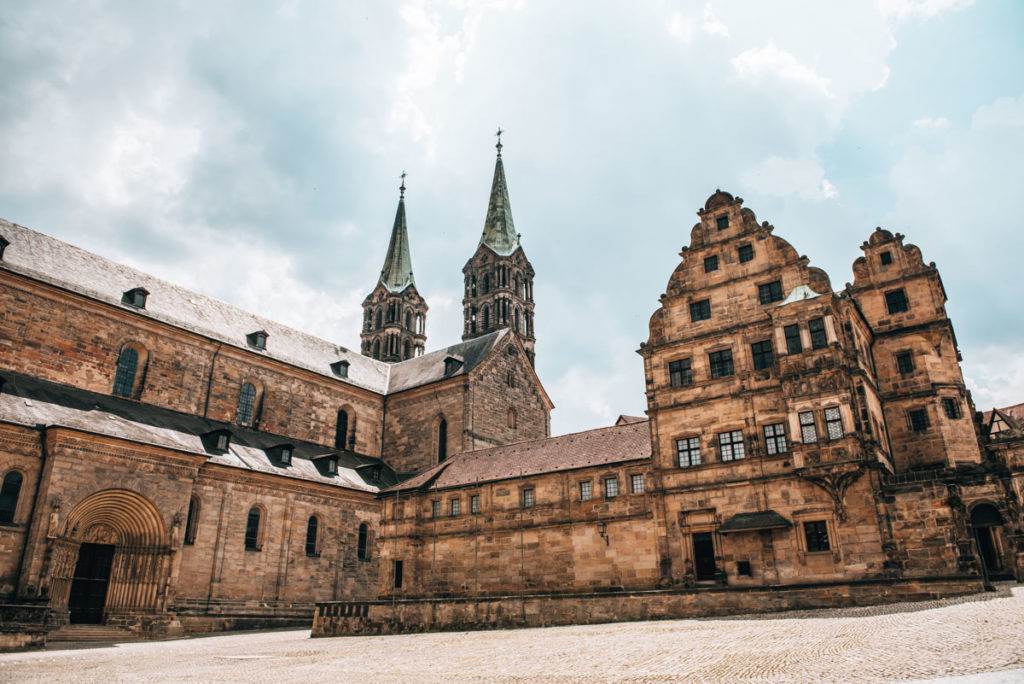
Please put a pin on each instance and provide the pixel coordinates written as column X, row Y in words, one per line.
column 931, row 125
column 680, row 27
column 712, row 26
column 784, row 177
column 754, row 63
column 901, row 10
column 995, row 376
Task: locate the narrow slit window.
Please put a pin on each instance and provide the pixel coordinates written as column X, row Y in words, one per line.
column 124, row 377
column 312, row 528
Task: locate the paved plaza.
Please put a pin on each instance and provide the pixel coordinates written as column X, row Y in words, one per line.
column 976, row 639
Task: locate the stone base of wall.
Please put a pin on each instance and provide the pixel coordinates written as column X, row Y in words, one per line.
column 497, row 612
column 22, row 625
column 198, row 616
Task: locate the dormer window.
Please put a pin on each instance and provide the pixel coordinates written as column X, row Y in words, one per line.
column 282, row 454
column 217, row 441
column 135, row 297
column 328, row 464
column 257, row 340
column 452, row 365
column 340, row 368
column 3, row 245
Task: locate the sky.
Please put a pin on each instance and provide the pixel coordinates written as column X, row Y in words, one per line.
column 252, row 151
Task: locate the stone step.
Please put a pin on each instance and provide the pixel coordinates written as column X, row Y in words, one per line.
column 92, row 633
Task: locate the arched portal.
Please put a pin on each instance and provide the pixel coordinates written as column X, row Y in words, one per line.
column 112, row 556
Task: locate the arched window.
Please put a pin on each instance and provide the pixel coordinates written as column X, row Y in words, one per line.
column 472, row 286
column 376, row 349
column 192, row 521
column 512, row 418
column 311, row 534
column 252, row 530
column 472, row 320
column 408, row 320
column 487, row 283
column 518, row 328
column 124, row 378
column 9, row 496
column 378, row 317
column 246, row 401
column 362, row 549
column 408, row 350
column 442, row 440
column 341, row 430
column 487, row 318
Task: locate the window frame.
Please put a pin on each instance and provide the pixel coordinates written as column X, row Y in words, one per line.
column 885, row 258
column 691, row 449
column 896, row 301
column 474, row 504
column 611, row 492
column 905, row 362
column 586, row 488
column 700, row 310
column 775, row 440
column 830, row 422
column 9, row 511
column 745, row 253
column 769, row 293
column 819, row 336
column 313, row 537
column 124, row 379
column 435, row 508
column 722, row 222
column 680, row 372
column 711, row 263
column 817, row 530
column 634, row 488
column 245, row 410
column 728, row 442
column 763, row 359
column 528, row 497
column 719, row 361
column 791, row 333
column 951, row 407
column 363, row 543
column 807, row 426
column 918, row 426
column 253, row 536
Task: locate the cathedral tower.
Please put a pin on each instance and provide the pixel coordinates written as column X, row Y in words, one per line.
column 394, row 314
column 499, row 277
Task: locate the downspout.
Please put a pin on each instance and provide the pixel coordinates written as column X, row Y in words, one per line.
column 209, row 378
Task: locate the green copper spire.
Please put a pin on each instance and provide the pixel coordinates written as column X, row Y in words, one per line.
column 397, row 272
column 499, row 230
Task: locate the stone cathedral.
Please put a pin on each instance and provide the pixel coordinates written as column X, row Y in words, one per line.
column 173, row 464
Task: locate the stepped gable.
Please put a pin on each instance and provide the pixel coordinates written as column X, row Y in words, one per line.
column 602, row 446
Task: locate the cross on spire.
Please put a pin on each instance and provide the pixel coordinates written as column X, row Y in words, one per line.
column 402, row 187
column 498, row 135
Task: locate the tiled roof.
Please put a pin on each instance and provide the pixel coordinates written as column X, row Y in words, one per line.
column 623, row 419
column 50, row 260
column 630, row 442
column 30, row 402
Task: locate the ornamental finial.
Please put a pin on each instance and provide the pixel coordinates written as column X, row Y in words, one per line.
column 498, row 134
column 402, row 187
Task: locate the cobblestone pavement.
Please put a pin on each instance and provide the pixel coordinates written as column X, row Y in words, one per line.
column 939, row 639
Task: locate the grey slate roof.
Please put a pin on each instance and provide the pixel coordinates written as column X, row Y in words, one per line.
column 603, row 446
column 397, row 272
column 47, row 259
column 29, row 401
column 499, row 230
column 748, row 522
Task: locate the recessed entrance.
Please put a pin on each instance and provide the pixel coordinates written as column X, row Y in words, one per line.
column 89, row 584
column 986, row 520
column 704, row 556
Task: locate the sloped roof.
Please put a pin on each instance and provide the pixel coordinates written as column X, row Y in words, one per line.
column 630, row 442
column 499, row 230
column 623, row 419
column 29, row 401
column 397, row 272
column 1013, row 416
column 45, row 258
column 430, row 367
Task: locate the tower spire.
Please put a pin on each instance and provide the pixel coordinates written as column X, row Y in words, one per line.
column 397, row 272
column 499, row 230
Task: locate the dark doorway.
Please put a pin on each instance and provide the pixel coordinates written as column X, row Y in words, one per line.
column 89, row 586
column 986, row 520
column 987, row 549
column 704, row 556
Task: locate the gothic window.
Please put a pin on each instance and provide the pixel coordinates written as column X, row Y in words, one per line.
column 816, row 534
column 124, row 377
column 487, row 283
column 688, row 451
column 376, row 349
column 885, row 258
column 808, row 433
column 722, row 222
column 679, row 373
column 341, row 430
column 397, row 573
column 529, row 497
column 312, row 527
column 896, row 301
column 951, row 407
column 252, row 530
column 442, row 440
column 586, row 491
column 246, row 401
column 793, row 345
column 512, row 418
column 636, row 482
column 407, row 351
column 919, row 420
column 745, row 253
column 711, row 263
column 775, row 439
column 378, row 317
column 487, row 318
column 816, row 326
column 833, row 423
column 472, row 286
column 731, row 445
column 700, row 311
column 905, row 362
column 611, row 487
column 9, row 492
column 764, row 356
column 455, row 507
column 519, row 328
column 192, row 521
column 362, row 542
column 721, row 363
column 474, row 504
column 770, row 292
